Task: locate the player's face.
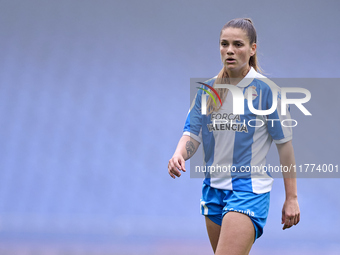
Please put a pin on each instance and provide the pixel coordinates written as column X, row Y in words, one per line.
column 235, row 51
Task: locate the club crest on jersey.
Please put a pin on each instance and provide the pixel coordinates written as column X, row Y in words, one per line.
column 249, row 90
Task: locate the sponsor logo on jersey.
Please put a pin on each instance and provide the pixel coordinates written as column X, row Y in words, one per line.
column 227, row 121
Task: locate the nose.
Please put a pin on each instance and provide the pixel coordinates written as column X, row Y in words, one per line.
column 230, row 50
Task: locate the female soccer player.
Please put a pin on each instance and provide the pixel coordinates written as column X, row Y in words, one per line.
column 235, row 202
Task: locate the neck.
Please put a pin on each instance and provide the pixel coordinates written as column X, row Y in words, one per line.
column 237, row 75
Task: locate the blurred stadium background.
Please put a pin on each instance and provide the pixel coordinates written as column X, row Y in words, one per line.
column 93, row 98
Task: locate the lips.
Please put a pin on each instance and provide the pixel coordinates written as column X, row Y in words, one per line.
column 230, row 60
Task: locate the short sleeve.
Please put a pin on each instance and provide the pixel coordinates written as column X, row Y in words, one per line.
column 279, row 126
column 193, row 123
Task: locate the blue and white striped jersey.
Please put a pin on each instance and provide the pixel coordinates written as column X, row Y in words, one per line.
column 236, row 145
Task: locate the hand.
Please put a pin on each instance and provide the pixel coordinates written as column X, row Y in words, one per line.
column 290, row 213
column 176, row 163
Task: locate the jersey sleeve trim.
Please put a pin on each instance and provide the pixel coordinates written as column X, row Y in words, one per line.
column 197, row 138
column 284, row 140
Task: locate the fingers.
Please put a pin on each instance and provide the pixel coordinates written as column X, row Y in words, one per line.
column 174, row 172
column 290, row 213
column 296, row 219
column 171, row 174
column 183, row 164
column 176, row 164
column 290, row 221
column 286, row 219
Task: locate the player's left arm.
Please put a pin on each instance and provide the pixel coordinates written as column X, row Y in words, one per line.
column 290, row 210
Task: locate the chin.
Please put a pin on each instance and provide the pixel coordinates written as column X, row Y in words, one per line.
column 231, row 67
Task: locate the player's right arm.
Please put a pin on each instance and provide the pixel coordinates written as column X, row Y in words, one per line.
column 186, row 147
column 191, row 139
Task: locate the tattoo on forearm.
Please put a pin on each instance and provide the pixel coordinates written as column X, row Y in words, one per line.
column 190, row 147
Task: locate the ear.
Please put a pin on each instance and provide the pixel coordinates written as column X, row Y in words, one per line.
column 253, row 49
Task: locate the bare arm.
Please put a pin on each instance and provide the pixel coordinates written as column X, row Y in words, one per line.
column 185, row 149
column 290, row 210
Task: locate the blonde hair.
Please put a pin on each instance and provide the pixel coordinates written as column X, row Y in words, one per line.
column 245, row 24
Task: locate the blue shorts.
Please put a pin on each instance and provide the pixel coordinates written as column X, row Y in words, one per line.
column 215, row 203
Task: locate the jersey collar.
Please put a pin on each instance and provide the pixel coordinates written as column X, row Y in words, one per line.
column 248, row 78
